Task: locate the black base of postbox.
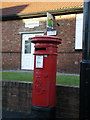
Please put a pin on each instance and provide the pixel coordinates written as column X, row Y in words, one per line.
column 85, row 90
column 44, row 113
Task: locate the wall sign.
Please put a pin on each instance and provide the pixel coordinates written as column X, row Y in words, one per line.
column 32, row 24
column 39, row 61
column 52, row 32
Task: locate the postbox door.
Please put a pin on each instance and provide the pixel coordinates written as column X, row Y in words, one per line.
column 44, row 85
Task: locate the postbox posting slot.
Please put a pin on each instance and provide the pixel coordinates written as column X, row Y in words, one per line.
column 40, row 49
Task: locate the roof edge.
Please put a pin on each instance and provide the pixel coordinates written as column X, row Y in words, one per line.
column 41, row 14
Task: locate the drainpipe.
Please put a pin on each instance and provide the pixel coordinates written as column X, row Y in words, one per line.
column 85, row 66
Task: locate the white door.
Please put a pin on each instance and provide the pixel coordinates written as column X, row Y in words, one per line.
column 27, row 60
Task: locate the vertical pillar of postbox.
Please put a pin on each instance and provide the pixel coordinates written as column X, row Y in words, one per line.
column 44, row 84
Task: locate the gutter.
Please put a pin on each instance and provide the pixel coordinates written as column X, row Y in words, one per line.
column 41, row 14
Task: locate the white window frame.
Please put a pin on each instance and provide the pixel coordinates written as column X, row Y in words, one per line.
column 79, row 31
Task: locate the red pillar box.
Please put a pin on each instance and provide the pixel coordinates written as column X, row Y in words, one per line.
column 45, row 62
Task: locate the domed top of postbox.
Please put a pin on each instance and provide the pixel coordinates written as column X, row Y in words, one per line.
column 46, row 39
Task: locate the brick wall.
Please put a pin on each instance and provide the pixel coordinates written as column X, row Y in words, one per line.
column 11, row 45
column 69, row 62
column 16, row 96
column 11, row 61
column 68, row 59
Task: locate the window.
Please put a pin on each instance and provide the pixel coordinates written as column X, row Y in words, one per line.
column 27, row 46
column 79, row 31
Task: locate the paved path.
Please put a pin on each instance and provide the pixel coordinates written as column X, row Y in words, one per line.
column 10, row 115
column 28, row 71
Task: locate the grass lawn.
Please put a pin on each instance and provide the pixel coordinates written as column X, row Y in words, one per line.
column 60, row 79
column 68, row 80
column 17, row 76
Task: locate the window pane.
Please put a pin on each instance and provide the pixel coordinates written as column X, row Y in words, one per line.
column 27, row 46
column 79, row 31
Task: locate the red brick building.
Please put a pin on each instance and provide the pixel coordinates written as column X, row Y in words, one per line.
column 21, row 21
